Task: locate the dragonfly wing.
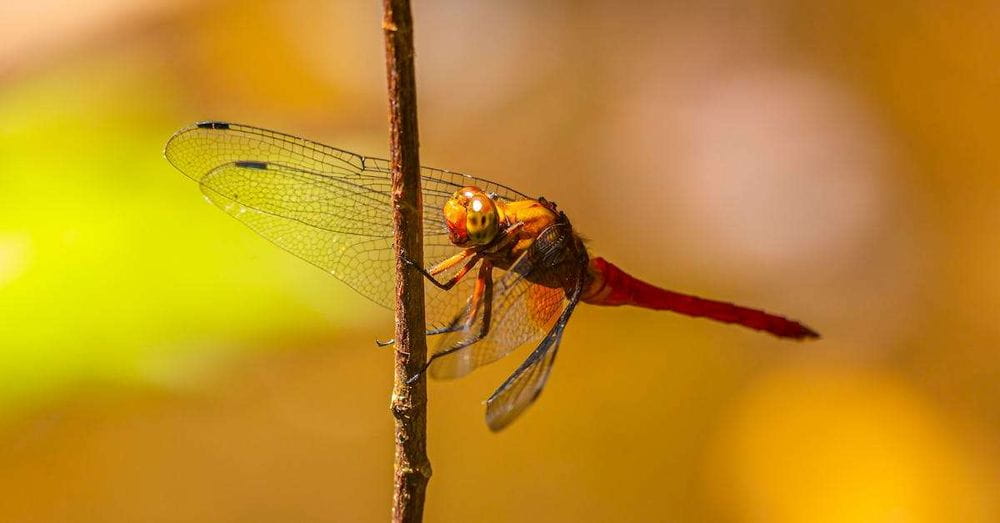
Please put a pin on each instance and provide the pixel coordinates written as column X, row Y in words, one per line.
column 328, row 206
column 519, row 317
column 523, row 311
column 524, row 386
column 306, row 226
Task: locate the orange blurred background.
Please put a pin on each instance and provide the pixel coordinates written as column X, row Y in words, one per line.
column 833, row 161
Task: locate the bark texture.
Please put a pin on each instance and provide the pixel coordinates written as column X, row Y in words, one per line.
column 409, row 402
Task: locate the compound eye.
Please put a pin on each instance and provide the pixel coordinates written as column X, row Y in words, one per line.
column 481, row 219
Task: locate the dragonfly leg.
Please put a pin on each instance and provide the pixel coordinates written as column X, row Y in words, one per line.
column 501, row 243
column 429, row 332
column 442, row 266
column 481, row 296
column 454, row 279
column 451, row 261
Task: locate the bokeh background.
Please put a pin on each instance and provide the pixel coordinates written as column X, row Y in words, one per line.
column 836, row 161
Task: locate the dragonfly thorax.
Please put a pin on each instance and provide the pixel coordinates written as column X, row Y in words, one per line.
column 473, row 217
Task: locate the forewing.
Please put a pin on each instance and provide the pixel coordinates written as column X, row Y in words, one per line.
column 523, row 310
column 327, row 206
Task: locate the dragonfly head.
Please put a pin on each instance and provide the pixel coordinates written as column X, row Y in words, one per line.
column 472, row 217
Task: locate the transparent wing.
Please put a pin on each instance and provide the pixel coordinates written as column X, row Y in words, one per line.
column 327, row 206
column 521, row 315
column 528, row 298
column 524, row 386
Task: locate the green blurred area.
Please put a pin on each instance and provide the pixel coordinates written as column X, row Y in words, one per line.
column 109, row 263
column 160, row 362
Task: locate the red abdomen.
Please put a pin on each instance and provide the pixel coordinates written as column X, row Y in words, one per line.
column 612, row 286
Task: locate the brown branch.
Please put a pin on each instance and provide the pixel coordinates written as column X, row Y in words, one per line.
column 409, row 402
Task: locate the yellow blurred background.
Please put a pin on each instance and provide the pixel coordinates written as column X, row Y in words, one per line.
column 834, row 161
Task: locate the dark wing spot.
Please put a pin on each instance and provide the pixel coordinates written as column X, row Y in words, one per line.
column 251, row 165
column 213, row 125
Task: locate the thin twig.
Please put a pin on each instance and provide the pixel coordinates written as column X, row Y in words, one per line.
column 409, row 402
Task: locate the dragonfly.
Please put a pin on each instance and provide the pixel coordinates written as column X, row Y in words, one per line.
column 505, row 269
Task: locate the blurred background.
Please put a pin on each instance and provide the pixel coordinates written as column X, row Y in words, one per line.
column 836, row 162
